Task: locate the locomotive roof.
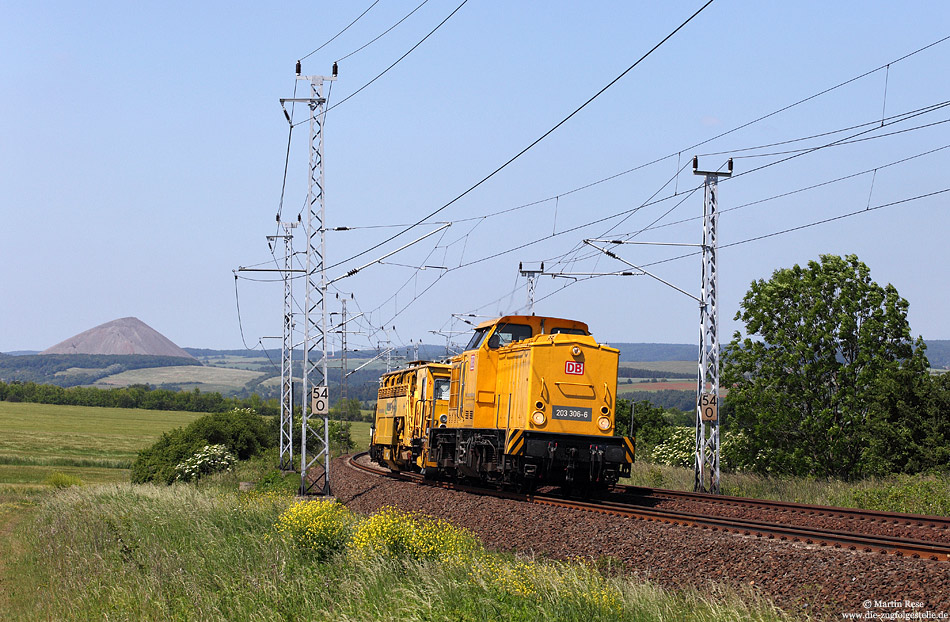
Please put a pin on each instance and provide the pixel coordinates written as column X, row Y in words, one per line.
column 434, row 367
column 525, row 319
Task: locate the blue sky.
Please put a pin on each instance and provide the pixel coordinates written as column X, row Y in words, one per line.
column 143, row 156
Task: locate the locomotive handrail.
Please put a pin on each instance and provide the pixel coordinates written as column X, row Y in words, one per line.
column 582, row 385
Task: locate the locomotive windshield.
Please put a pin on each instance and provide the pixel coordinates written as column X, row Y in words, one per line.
column 509, row 333
column 477, row 338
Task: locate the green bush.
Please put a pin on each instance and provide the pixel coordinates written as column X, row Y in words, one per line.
column 62, row 480
column 916, row 494
column 241, row 430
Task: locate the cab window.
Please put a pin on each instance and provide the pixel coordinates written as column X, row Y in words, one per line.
column 509, row 333
column 559, row 330
column 477, row 338
column 440, row 390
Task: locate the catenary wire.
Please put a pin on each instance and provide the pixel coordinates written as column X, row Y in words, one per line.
column 330, row 40
column 381, row 35
column 397, row 61
column 694, row 146
column 535, row 142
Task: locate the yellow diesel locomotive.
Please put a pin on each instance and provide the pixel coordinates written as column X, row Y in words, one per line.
column 531, row 400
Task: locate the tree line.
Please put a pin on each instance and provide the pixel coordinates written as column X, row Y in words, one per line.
column 133, row 396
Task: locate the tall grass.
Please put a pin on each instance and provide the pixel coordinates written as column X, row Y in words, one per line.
column 915, row 494
column 187, row 553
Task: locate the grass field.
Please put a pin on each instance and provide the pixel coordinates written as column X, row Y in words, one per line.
column 682, row 367
column 678, row 385
column 95, row 444
column 205, row 378
column 359, row 432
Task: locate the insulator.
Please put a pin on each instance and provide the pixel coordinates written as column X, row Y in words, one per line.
column 335, row 69
column 298, row 67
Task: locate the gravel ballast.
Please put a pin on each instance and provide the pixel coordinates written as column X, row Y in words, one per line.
column 797, row 577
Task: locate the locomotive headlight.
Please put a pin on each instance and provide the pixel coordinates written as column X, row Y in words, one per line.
column 603, row 423
column 538, row 417
column 443, row 418
column 539, row 405
column 576, row 351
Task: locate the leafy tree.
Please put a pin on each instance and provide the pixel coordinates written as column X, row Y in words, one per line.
column 909, row 431
column 822, row 342
column 346, row 410
column 649, row 423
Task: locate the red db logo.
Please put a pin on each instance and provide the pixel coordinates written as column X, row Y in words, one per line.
column 575, row 368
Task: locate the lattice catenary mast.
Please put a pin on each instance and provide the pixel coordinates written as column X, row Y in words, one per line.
column 707, row 399
column 287, row 352
column 315, row 306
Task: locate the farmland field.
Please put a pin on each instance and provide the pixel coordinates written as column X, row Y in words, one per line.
column 682, row 367
column 679, row 385
column 205, row 378
column 94, row 444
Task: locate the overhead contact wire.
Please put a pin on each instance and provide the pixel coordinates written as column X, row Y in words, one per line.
column 535, row 142
column 341, row 32
column 397, row 61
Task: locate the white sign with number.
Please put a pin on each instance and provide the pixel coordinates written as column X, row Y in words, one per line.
column 320, row 401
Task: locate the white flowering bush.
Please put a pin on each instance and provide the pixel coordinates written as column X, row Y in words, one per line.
column 678, row 447
column 211, row 459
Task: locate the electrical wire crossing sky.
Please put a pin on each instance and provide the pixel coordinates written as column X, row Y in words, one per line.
column 146, row 155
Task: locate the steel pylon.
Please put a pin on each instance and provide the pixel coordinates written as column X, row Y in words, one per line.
column 707, row 391
column 315, row 439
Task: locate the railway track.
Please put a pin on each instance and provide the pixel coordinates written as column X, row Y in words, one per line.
column 643, row 494
column 629, row 503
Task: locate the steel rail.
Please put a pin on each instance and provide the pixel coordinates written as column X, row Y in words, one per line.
column 890, row 545
column 896, row 518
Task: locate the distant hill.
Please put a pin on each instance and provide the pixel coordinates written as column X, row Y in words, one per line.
column 638, row 352
column 124, row 336
column 938, row 353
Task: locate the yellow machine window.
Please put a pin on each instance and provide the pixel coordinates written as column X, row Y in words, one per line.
column 509, row 333
column 568, row 331
column 440, row 390
column 477, row 338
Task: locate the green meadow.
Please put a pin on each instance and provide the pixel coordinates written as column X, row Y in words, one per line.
column 95, row 444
